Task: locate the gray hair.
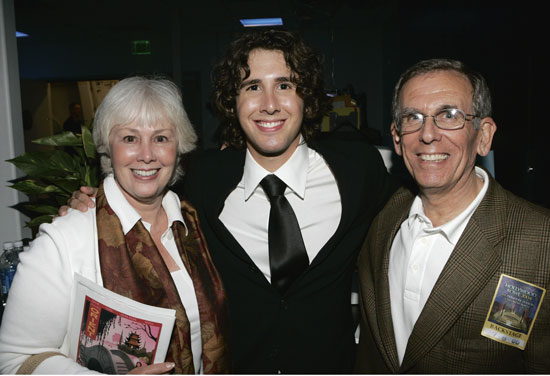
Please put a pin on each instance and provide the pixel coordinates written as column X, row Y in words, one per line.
column 144, row 101
column 481, row 96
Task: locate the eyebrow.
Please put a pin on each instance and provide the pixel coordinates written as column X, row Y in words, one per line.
column 135, row 129
column 250, row 82
column 447, row 106
column 167, row 129
column 283, row 79
column 412, row 110
column 256, row 81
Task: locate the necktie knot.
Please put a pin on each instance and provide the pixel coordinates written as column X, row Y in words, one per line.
column 273, row 186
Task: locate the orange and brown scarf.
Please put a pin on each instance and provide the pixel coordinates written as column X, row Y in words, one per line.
column 132, row 266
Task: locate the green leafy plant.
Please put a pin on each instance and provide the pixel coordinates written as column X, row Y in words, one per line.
column 52, row 176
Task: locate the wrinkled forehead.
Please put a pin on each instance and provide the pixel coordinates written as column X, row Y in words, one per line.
column 437, row 89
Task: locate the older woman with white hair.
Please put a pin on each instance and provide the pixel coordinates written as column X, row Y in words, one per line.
column 140, row 242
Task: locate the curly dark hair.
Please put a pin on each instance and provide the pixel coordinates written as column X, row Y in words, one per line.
column 306, row 73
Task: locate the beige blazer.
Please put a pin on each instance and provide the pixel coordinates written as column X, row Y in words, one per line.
column 505, row 235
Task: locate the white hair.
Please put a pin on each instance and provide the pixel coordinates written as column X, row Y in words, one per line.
column 144, row 101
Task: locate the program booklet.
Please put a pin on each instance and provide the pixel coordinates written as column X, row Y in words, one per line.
column 112, row 334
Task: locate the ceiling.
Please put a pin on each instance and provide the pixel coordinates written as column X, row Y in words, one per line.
column 36, row 16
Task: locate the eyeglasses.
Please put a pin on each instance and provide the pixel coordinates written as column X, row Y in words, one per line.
column 447, row 119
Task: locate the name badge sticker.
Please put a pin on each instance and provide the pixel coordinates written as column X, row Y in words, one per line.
column 513, row 311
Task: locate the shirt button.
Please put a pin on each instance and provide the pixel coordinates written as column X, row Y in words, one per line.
column 415, row 267
column 284, row 304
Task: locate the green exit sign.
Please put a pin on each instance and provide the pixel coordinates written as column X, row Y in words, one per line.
column 141, row 47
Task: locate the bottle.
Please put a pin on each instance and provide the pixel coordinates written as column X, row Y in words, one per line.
column 7, row 246
column 18, row 247
column 8, row 266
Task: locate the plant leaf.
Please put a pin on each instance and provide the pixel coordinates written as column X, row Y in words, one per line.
column 63, row 162
column 37, row 221
column 39, row 208
column 93, row 177
column 52, row 176
column 88, row 142
column 31, row 187
column 68, row 183
column 36, row 164
column 60, row 139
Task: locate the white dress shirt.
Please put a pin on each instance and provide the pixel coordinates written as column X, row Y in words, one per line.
column 311, row 191
column 417, row 256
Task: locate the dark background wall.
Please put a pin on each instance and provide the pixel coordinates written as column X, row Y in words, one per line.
column 365, row 46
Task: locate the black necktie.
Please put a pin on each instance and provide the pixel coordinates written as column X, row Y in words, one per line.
column 287, row 252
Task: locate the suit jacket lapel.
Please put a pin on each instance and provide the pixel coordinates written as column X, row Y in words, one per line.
column 230, row 171
column 349, row 192
column 472, row 264
column 389, row 226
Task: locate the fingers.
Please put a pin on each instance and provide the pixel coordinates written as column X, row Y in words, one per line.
column 80, row 200
column 63, row 210
column 89, row 191
column 76, row 203
column 153, row 369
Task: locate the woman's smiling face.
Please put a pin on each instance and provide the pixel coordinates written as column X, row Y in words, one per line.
column 144, row 159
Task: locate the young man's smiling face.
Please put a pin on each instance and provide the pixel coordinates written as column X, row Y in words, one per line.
column 269, row 109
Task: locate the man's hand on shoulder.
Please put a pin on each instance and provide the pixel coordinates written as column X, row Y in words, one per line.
column 80, row 200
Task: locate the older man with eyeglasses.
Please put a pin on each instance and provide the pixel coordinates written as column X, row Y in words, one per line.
column 452, row 275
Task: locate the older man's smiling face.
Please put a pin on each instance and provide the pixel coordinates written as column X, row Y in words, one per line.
column 440, row 161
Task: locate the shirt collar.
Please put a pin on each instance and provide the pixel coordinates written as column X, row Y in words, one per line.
column 128, row 216
column 453, row 229
column 293, row 172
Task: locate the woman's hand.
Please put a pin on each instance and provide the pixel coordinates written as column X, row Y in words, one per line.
column 80, row 200
column 153, row 369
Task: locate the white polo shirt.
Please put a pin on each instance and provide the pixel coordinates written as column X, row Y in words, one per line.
column 417, row 256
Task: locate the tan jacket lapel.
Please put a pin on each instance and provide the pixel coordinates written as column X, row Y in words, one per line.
column 388, row 228
column 470, row 267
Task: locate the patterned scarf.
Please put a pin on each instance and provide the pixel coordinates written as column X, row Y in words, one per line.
column 133, row 267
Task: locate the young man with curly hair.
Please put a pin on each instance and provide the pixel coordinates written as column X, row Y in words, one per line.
column 269, row 93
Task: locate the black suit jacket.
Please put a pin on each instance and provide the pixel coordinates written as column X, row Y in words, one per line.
column 309, row 329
